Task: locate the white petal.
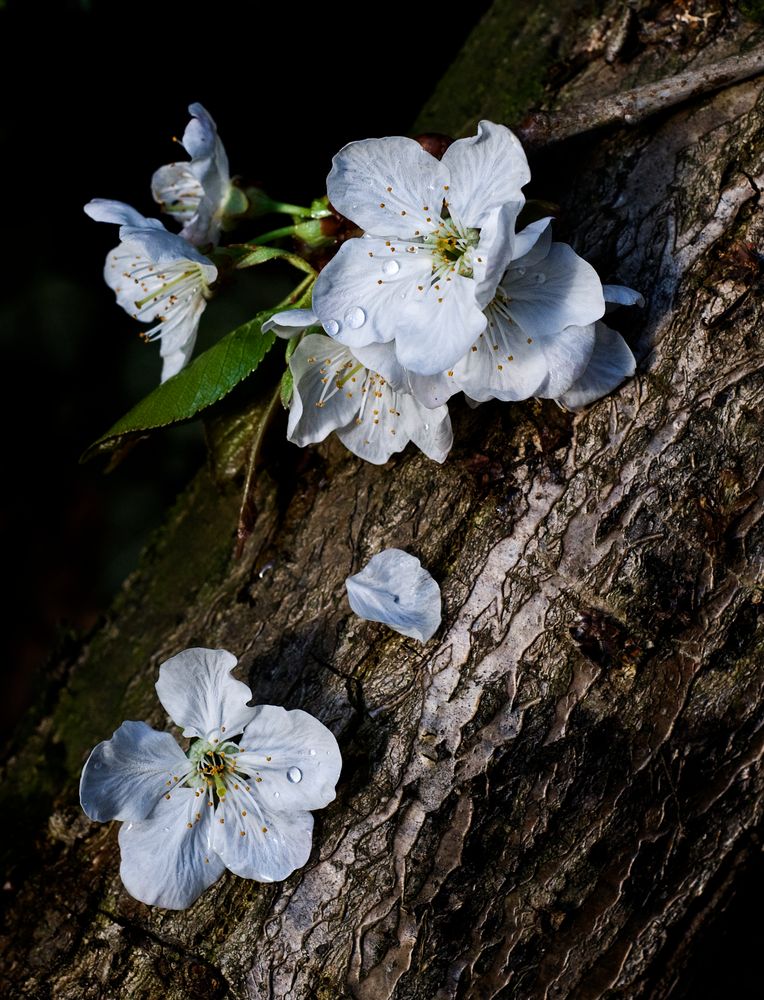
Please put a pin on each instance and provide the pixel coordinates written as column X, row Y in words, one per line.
column 177, row 191
column 487, row 171
column 622, row 296
column 501, row 364
column 290, row 322
column 429, row 429
column 198, row 693
column 560, row 290
column 327, row 389
column 174, row 361
column 167, row 859
column 380, row 358
column 395, row 589
column 105, row 210
column 163, row 248
column 434, row 390
column 567, row 355
column 495, row 251
column 256, row 843
column 296, row 757
column 369, row 289
column 534, row 242
column 611, row 362
column 388, row 187
column 125, row 777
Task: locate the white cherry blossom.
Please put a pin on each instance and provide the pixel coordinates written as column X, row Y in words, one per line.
column 158, row 278
column 438, row 237
column 196, row 192
column 240, row 798
column 395, row 589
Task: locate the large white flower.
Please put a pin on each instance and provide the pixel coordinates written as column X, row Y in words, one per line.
column 197, row 192
column 336, row 389
column 438, row 237
column 540, row 330
column 158, row 278
column 241, row 804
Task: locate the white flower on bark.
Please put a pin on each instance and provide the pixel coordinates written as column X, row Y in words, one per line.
column 159, row 278
column 336, row 389
column 196, row 192
column 394, row 588
column 438, row 236
column 540, row 330
column 227, row 803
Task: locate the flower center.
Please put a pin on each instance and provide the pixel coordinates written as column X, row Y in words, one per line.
column 214, row 765
column 451, row 247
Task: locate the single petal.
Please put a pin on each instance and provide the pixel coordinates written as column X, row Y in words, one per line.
column 429, row 429
column 198, row 693
column 503, row 363
column 560, row 290
column 495, row 251
column 125, row 777
column 622, row 296
column 201, row 136
column 389, row 187
column 328, row 389
column 487, row 171
column 174, row 361
column 161, row 247
column 177, row 191
column 255, row 842
column 534, row 242
column 290, row 322
column 380, row 358
column 292, row 759
column 105, row 210
column 434, row 390
column 611, row 362
column 567, row 355
column 395, row 589
column 168, row 859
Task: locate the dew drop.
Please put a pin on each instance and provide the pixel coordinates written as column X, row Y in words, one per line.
column 391, row 267
column 332, row 327
column 355, row 317
column 312, row 753
column 294, row 774
column 276, row 795
column 539, row 278
column 427, row 427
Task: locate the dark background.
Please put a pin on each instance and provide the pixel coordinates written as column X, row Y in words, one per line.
column 89, row 110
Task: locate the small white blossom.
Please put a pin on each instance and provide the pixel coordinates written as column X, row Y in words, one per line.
column 336, row 389
column 196, row 192
column 158, row 278
column 237, row 803
column 394, row 588
column 438, row 236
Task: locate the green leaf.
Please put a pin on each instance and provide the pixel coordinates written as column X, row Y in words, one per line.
column 250, row 255
column 287, row 388
column 203, row 382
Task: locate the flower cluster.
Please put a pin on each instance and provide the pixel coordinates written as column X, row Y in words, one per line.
column 443, row 294
column 239, row 798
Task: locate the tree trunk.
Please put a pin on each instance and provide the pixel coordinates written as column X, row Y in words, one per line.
column 556, row 795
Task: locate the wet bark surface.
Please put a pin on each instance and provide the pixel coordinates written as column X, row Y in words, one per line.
column 557, row 794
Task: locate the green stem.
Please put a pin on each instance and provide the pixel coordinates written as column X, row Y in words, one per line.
column 297, row 293
column 287, row 209
column 275, row 234
column 247, row 511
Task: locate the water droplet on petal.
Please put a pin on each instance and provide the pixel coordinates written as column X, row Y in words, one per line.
column 355, row 317
column 312, row 753
column 539, row 278
column 294, row 774
column 276, row 794
column 427, row 427
column 391, row 267
column 332, row 327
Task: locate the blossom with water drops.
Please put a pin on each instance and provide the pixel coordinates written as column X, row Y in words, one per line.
column 158, row 278
column 198, row 192
column 239, row 798
column 336, row 389
column 394, row 588
column 438, row 237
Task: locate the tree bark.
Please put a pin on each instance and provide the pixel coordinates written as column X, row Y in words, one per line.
column 555, row 796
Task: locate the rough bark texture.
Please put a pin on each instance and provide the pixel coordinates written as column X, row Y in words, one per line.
column 554, row 796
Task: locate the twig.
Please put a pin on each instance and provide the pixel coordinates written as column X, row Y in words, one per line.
column 247, row 510
column 542, row 128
